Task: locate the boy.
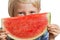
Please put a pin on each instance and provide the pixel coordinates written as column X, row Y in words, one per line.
column 29, row 7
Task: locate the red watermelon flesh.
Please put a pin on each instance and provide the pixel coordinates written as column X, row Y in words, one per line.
column 26, row 27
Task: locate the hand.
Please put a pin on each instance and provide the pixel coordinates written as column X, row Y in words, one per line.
column 3, row 35
column 54, row 30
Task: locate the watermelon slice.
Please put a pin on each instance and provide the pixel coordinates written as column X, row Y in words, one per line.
column 27, row 27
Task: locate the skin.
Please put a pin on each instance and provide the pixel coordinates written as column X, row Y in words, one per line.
column 54, row 30
column 28, row 9
column 24, row 9
column 3, row 35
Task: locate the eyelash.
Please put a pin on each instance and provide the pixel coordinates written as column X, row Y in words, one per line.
column 21, row 12
column 24, row 12
column 32, row 12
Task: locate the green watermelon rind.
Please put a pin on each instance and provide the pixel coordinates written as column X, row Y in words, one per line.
column 49, row 17
column 15, row 38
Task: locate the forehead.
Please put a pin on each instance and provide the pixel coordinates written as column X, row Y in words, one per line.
column 22, row 6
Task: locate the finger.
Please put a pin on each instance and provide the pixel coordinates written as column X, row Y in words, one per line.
column 3, row 39
column 4, row 36
column 53, row 27
column 1, row 31
column 54, row 30
column 54, row 33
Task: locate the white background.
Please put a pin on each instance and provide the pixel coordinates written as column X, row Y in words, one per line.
column 52, row 6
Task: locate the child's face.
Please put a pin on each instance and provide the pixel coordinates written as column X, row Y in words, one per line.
column 24, row 9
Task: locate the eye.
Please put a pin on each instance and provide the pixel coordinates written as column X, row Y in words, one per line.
column 21, row 12
column 32, row 11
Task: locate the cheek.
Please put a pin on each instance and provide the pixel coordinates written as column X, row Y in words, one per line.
column 15, row 14
column 37, row 12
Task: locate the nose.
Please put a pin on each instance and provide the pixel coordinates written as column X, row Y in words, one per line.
column 27, row 13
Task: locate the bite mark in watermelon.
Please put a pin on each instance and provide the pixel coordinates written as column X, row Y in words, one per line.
column 26, row 27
